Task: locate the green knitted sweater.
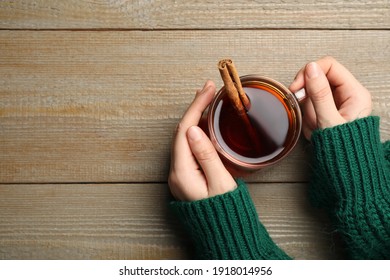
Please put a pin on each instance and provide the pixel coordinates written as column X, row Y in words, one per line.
column 350, row 179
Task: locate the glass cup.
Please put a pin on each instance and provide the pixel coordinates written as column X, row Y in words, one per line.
column 275, row 123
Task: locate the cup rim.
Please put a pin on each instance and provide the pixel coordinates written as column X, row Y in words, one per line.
column 293, row 103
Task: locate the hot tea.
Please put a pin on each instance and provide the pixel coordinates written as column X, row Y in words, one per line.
column 268, row 132
column 270, row 118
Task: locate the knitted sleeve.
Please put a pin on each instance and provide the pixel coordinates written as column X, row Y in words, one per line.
column 351, row 180
column 227, row 227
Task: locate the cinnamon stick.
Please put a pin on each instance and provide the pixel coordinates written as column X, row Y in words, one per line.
column 233, row 86
column 238, row 97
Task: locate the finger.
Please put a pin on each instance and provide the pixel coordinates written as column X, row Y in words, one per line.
column 181, row 153
column 320, row 93
column 299, row 81
column 199, row 104
column 307, row 131
column 335, row 72
column 218, row 178
column 309, row 118
column 204, row 151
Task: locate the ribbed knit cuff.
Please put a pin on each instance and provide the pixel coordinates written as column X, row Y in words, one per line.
column 227, row 227
column 350, row 159
column 351, row 180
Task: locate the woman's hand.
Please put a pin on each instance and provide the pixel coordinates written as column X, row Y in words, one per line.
column 196, row 171
column 335, row 96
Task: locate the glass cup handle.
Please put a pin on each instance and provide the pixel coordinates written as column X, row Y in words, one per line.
column 300, row 94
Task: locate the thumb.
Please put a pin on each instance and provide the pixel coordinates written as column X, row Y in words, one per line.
column 320, row 93
column 218, row 178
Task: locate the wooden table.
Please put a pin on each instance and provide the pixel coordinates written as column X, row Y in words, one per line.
column 91, row 91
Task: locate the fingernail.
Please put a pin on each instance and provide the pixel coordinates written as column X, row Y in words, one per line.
column 194, row 133
column 312, row 70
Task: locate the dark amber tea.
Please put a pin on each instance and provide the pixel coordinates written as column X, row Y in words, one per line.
column 269, row 118
column 273, row 130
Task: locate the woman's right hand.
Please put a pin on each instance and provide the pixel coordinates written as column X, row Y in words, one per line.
column 196, row 171
column 335, row 96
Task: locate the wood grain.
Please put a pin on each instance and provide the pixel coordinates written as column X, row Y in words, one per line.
column 196, row 14
column 91, row 92
column 122, row 221
column 102, row 106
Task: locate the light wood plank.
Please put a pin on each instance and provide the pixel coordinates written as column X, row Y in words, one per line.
column 123, row 221
column 102, row 106
column 196, row 14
